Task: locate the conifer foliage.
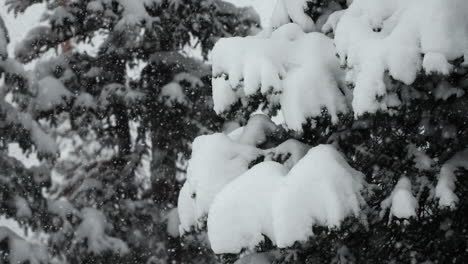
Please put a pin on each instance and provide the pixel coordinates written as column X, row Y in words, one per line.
column 366, row 159
column 113, row 123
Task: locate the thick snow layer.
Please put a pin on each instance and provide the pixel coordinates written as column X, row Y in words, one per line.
column 286, row 10
column 92, row 230
column 288, row 152
column 173, row 222
column 372, row 38
column 172, row 94
column 186, row 209
column 21, row 251
column 375, row 36
column 402, row 203
column 51, row 93
column 320, row 184
column 237, row 220
column 324, row 190
column 258, row 128
column 445, row 188
column 307, row 75
column 216, row 160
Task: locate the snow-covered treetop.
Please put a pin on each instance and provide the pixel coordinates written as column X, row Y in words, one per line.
column 21, row 85
column 372, row 41
column 320, row 184
column 381, row 82
column 132, row 25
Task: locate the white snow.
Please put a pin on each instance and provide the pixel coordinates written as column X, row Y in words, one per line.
column 223, row 95
column 134, row 12
column 402, row 203
column 242, row 212
column 286, row 10
column 186, row 207
column 95, row 6
column 421, row 159
column 372, row 38
column 61, row 207
column 173, row 222
column 290, row 151
column 324, row 190
column 22, row 251
column 444, row 90
column 405, row 30
column 22, row 207
column 255, row 258
column 43, row 142
column 258, row 128
column 436, row 63
column 216, row 160
column 307, row 75
column 85, row 100
column 92, row 230
column 445, row 188
column 51, row 93
column 172, row 94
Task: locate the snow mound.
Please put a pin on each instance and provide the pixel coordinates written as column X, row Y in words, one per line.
column 237, row 221
column 173, row 94
column 186, row 209
column 92, row 230
column 307, row 76
column 223, row 95
column 376, row 36
column 51, row 93
column 289, row 152
column 314, row 186
column 324, row 190
column 22, row 251
column 445, row 188
column 258, row 128
column 173, row 222
column 216, row 160
column 287, row 10
column 403, row 203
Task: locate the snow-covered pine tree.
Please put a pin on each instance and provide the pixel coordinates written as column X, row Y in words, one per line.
column 20, row 187
column 367, row 159
column 114, row 125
